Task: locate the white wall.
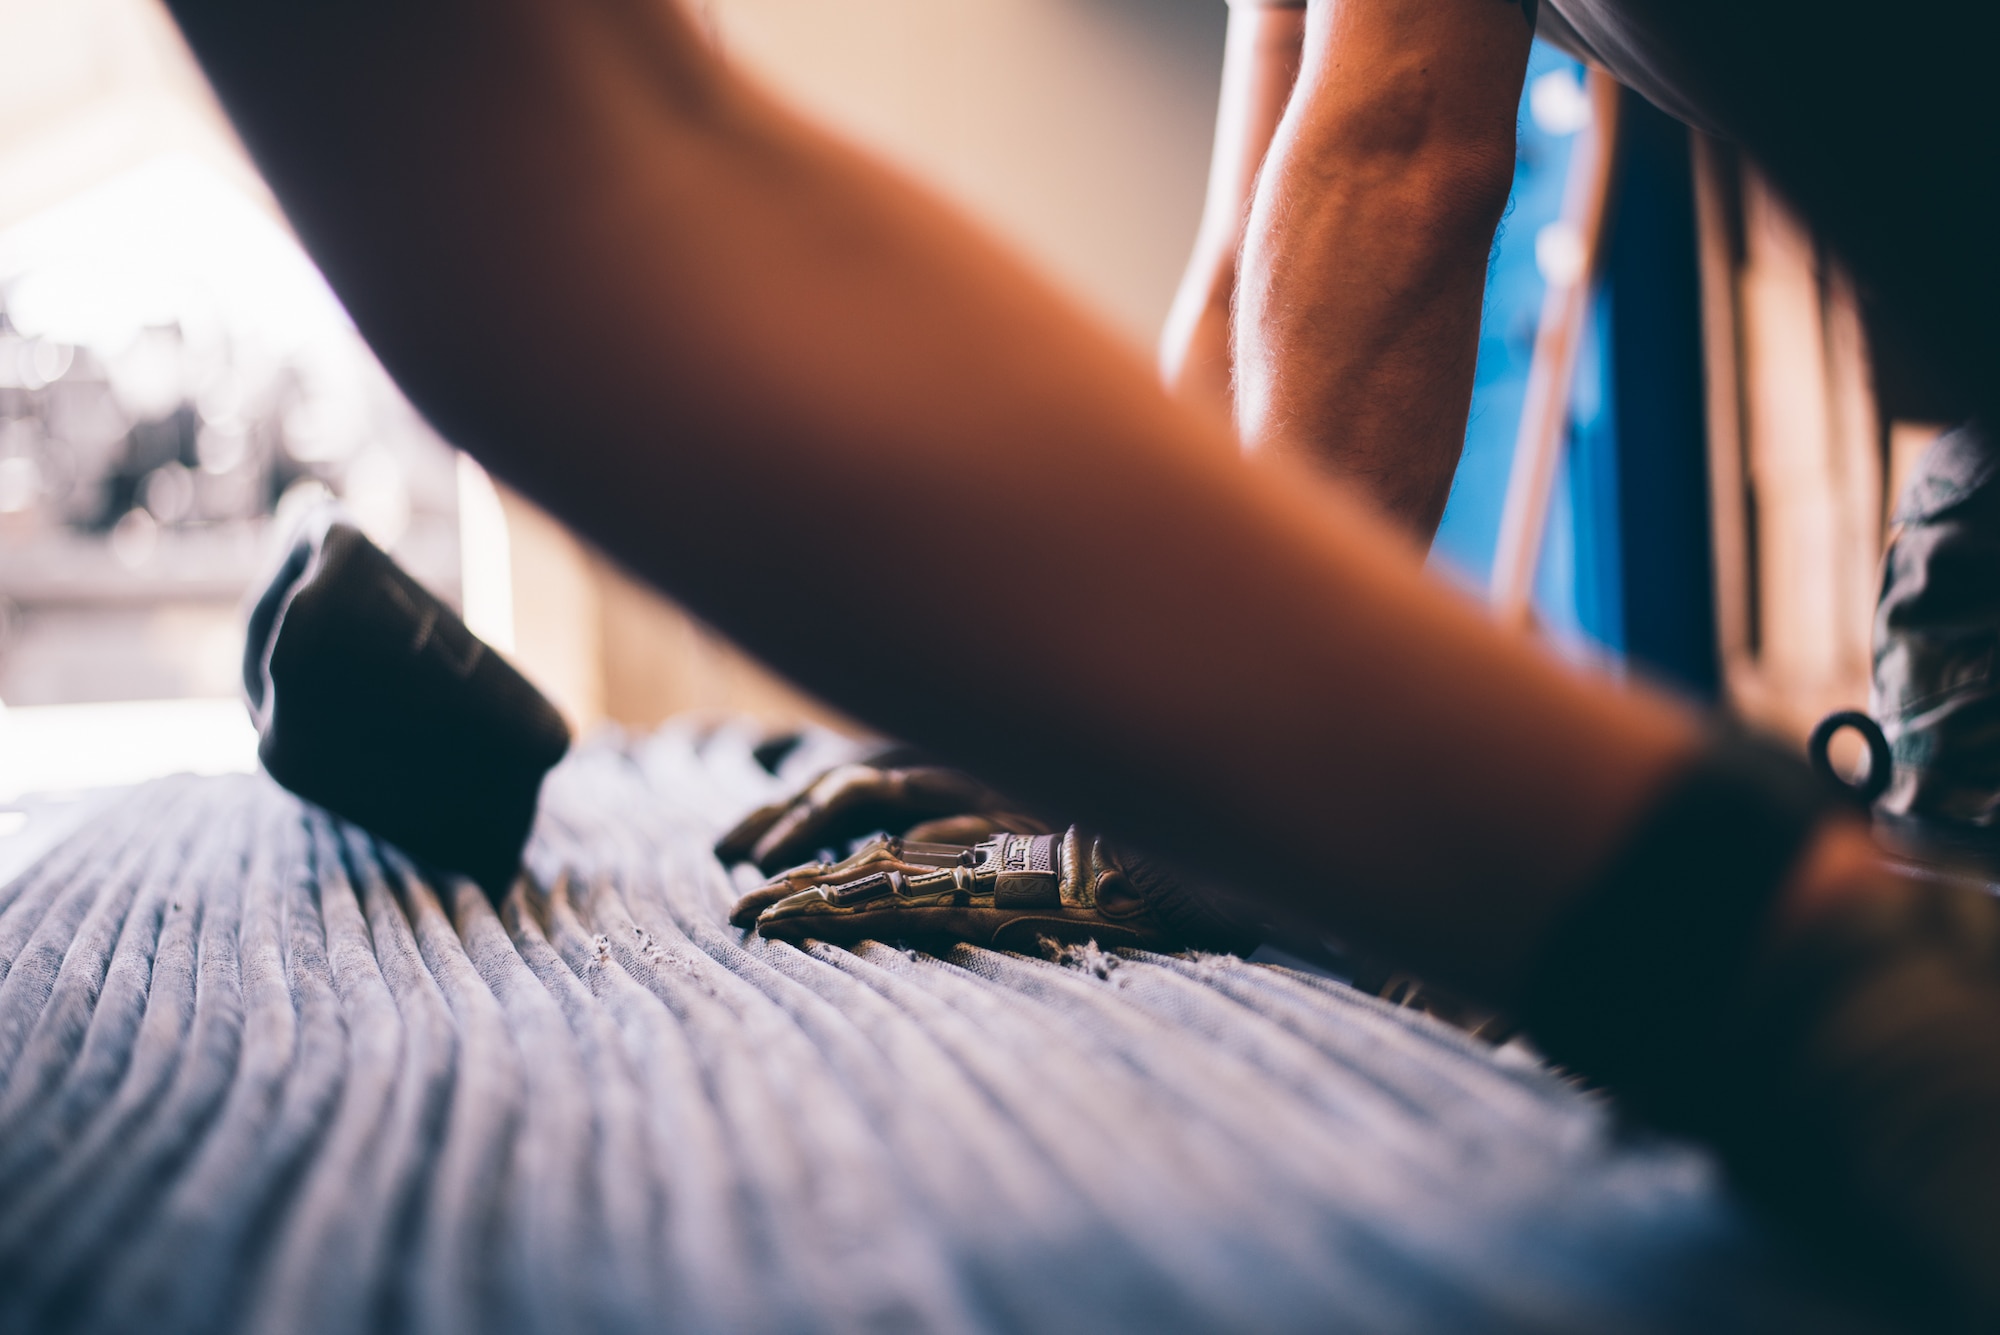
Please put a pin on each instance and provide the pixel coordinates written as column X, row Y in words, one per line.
column 1077, row 129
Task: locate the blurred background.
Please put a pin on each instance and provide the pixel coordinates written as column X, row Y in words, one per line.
column 175, row 376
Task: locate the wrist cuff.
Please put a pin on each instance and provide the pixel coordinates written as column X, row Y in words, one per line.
column 1205, row 920
column 1639, row 984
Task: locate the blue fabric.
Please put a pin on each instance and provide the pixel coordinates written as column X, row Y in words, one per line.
column 255, row 1074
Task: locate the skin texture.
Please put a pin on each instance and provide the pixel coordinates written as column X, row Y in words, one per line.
column 777, row 380
column 1376, row 179
column 1334, row 340
column 1260, row 61
column 1364, row 262
column 1312, row 346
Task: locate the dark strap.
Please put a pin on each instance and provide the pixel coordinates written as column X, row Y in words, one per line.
column 1638, row 984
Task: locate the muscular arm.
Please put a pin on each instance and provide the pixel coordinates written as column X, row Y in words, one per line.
column 1364, row 265
column 1260, row 60
column 772, row 377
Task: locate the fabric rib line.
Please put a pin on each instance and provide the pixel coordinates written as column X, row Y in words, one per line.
column 258, row 1073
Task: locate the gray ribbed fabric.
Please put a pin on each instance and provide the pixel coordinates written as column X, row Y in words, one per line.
column 256, row 1075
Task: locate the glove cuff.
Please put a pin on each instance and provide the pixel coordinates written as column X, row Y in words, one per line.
column 1640, row 983
column 1204, row 921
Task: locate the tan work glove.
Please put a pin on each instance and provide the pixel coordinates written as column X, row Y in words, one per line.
column 942, row 871
column 1010, row 892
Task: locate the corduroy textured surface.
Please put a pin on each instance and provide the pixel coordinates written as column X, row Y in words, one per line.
column 257, row 1075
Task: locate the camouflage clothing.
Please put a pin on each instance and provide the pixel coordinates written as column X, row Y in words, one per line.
column 1937, row 636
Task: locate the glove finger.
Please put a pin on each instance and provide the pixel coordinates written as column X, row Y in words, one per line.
column 737, row 845
column 751, row 905
column 911, row 857
column 854, row 800
column 832, row 808
column 802, row 815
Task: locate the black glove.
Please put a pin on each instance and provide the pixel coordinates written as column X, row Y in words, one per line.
column 372, row 699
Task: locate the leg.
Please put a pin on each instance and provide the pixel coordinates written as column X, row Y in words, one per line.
column 1259, row 64
column 1364, row 267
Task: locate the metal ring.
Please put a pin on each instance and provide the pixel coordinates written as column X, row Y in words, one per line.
column 1881, row 762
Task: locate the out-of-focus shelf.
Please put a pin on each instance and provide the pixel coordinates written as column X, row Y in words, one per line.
column 216, row 563
column 200, row 565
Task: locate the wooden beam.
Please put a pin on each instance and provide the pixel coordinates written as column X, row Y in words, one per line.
column 1544, row 428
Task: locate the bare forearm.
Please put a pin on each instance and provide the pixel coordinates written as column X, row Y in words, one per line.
column 775, row 379
column 1364, row 266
